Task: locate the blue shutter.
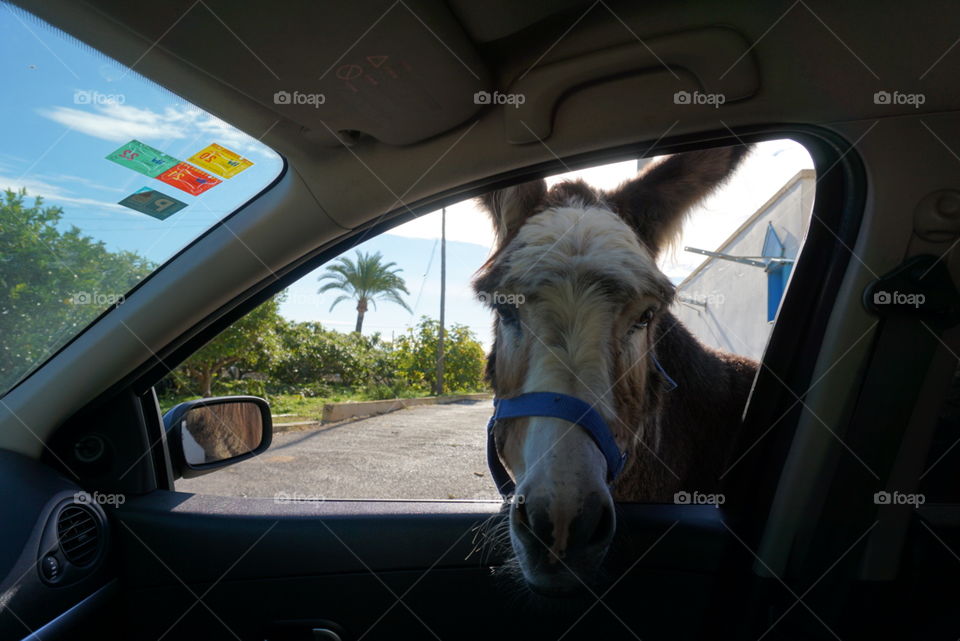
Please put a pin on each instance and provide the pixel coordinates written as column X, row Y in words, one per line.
column 777, row 273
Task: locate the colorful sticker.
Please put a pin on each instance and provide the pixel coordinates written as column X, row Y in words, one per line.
column 153, row 203
column 189, row 179
column 143, row 158
column 220, row 160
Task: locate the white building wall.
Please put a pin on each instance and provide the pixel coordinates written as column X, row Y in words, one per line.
column 734, row 318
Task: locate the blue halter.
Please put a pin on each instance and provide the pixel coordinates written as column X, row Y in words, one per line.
column 562, row 406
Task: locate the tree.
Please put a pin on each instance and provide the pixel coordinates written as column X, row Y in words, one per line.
column 252, row 343
column 312, row 355
column 365, row 281
column 464, row 360
column 53, row 282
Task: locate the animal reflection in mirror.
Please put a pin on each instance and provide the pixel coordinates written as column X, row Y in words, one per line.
column 595, row 324
column 219, row 432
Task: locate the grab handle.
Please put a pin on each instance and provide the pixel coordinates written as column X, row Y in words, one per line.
column 717, row 57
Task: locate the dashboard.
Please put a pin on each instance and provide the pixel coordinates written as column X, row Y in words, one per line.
column 55, row 562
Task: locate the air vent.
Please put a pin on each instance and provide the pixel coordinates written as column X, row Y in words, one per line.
column 79, row 533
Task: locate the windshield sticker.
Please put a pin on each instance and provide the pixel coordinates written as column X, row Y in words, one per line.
column 220, row 160
column 153, row 203
column 143, row 158
column 189, row 179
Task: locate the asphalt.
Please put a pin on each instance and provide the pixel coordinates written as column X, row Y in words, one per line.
column 425, row 452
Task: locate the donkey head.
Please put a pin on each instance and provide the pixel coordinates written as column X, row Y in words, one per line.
column 577, row 294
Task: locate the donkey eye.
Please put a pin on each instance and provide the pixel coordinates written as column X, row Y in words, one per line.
column 643, row 321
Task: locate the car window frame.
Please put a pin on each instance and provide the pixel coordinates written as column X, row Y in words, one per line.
column 844, row 191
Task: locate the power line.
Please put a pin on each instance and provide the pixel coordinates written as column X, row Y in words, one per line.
column 424, row 281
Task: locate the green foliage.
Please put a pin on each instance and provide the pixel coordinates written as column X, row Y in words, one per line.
column 53, row 282
column 365, row 281
column 252, row 344
column 307, row 360
column 463, row 361
column 243, row 387
column 312, row 354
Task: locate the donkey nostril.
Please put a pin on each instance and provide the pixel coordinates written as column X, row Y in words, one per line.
column 605, row 526
column 533, row 522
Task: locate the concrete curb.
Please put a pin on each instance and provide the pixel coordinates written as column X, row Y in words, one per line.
column 333, row 412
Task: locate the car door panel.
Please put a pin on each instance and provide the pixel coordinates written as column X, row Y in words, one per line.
column 271, row 570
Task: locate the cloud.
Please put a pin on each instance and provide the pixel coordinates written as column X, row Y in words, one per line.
column 226, row 134
column 106, row 127
column 6, row 159
column 466, row 223
column 86, row 182
column 121, row 122
column 56, row 194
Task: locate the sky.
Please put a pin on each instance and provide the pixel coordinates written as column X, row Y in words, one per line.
column 73, row 107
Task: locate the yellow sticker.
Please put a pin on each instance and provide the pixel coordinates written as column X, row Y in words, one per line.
column 220, row 160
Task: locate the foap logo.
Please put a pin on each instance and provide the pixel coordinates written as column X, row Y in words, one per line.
column 898, row 298
column 899, row 498
column 499, row 298
column 897, row 98
column 303, row 299
column 697, row 298
column 296, row 497
column 699, row 498
column 85, row 498
column 297, row 98
column 97, row 298
column 497, row 98
column 698, row 98
column 92, row 97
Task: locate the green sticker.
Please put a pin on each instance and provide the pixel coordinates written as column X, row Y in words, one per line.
column 143, row 158
column 153, row 203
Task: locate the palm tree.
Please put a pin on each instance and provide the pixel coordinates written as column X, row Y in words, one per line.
column 365, row 281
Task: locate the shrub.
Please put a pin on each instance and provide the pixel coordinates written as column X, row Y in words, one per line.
column 463, row 362
column 275, row 356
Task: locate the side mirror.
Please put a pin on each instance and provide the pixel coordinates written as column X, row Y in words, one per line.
column 210, row 433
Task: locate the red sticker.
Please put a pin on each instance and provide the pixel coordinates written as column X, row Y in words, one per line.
column 189, row 179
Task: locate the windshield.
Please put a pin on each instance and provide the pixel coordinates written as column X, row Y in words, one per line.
column 103, row 177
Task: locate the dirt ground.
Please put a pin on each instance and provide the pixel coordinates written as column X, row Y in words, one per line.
column 426, row 452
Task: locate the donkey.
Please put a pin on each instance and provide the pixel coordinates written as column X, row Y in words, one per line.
column 594, row 324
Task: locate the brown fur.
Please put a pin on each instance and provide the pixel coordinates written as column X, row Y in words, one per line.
column 226, row 430
column 696, row 423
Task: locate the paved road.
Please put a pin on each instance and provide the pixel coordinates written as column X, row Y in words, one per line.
column 425, row 452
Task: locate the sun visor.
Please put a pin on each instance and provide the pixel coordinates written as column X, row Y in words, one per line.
column 399, row 72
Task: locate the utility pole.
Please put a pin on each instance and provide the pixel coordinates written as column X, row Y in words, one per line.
column 443, row 297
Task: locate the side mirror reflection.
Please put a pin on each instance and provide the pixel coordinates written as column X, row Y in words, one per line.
column 220, row 432
column 211, row 433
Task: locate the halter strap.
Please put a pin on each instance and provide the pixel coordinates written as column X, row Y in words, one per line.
column 562, row 406
column 669, row 383
column 554, row 405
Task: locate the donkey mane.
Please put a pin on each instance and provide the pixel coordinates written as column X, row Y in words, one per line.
column 679, row 439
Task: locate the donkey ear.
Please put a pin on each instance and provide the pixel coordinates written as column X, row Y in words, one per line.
column 656, row 202
column 511, row 206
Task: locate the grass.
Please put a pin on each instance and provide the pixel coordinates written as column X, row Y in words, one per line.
column 304, row 406
column 298, row 406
